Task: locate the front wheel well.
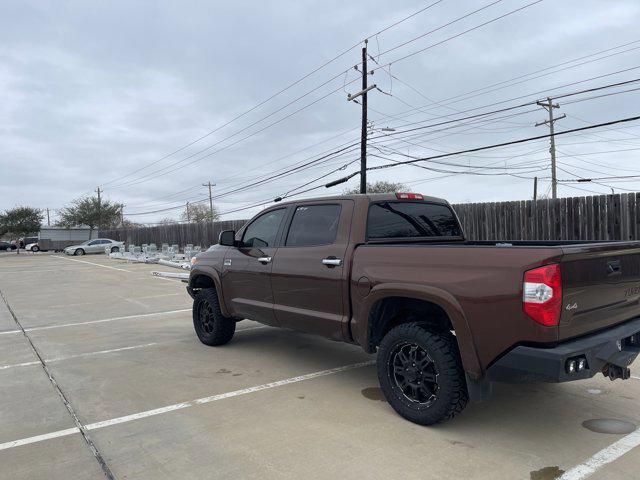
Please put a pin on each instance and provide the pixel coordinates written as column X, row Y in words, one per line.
column 202, row 281
column 390, row 312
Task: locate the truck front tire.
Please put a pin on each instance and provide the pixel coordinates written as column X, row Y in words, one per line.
column 211, row 326
column 421, row 374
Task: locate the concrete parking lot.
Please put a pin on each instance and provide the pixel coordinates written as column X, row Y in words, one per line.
column 100, row 371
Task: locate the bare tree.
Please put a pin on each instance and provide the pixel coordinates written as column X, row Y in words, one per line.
column 380, row 187
column 199, row 213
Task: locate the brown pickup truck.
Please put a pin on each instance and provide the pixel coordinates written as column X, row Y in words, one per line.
column 394, row 273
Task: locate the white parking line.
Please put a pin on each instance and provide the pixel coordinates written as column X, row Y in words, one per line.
column 92, row 263
column 7, row 332
column 603, row 457
column 100, row 352
column 162, row 295
column 79, row 355
column 180, row 406
column 28, row 270
column 24, row 364
column 39, row 438
column 89, row 322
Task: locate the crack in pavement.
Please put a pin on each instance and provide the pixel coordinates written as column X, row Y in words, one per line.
column 80, row 426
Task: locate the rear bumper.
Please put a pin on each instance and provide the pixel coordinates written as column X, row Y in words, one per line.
column 601, row 350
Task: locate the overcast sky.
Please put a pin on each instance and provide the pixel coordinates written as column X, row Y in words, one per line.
column 102, row 93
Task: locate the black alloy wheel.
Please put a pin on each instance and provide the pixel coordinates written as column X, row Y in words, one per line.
column 414, row 374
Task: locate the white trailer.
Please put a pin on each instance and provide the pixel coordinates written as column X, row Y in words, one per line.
column 58, row 238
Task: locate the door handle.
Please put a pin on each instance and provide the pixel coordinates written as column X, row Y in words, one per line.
column 332, row 262
column 614, row 268
column 264, row 260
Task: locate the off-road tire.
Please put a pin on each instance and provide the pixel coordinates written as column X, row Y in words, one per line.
column 449, row 389
column 211, row 326
column 79, row 251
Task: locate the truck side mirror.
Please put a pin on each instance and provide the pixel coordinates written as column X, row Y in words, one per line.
column 227, row 238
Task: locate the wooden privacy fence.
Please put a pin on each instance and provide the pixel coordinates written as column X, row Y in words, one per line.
column 601, row 217
column 203, row 234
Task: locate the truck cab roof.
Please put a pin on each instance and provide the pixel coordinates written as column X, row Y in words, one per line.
column 367, row 197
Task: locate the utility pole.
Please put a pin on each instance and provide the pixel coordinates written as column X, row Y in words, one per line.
column 188, row 217
column 209, row 184
column 48, row 220
column 363, row 133
column 99, row 209
column 549, row 106
column 535, row 188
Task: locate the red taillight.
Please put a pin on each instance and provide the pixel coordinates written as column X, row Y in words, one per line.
column 542, row 294
column 409, row 196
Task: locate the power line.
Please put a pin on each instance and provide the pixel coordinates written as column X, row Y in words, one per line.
column 407, row 162
column 445, row 103
column 159, row 174
column 438, row 43
column 259, row 182
column 321, row 158
column 458, row 34
column 167, row 169
column 512, row 81
column 458, row 172
column 533, row 102
column 501, row 110
column 512, row 142
column 279, row 92
column 439, row 28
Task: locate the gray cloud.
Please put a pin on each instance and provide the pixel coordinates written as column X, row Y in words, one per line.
column 92, row 91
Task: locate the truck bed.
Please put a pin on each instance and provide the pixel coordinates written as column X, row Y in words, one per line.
column 485, row 278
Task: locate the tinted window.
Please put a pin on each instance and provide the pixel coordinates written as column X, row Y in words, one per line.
column 408, row 219
column 313, row 225
column 263, row 230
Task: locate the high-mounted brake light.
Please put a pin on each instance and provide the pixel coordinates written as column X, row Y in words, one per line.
column 542, row 294
column 409, row 196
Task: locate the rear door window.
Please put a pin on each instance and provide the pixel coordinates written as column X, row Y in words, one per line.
column 411, row 220
column 313, row 225
column 263, row 230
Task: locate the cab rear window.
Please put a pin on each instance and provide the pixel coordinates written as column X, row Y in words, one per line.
column 411, row 220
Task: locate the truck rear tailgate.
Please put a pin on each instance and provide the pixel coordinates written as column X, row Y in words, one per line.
column 601, row 286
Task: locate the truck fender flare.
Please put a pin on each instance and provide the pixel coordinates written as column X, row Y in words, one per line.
column 212, row 273
column 444, row 300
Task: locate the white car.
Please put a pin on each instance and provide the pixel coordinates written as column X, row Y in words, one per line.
column 32, row 247
column 97, row 245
